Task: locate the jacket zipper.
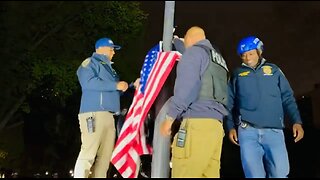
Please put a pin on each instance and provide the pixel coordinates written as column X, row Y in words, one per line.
column 101, row 100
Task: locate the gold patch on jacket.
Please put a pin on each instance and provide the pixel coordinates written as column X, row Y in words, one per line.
column 246, row 73
column 86, row 62
column 267, row 70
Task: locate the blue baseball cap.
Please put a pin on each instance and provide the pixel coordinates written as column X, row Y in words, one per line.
column 106, row 42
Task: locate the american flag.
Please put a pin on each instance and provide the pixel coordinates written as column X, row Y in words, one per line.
column 131, row 142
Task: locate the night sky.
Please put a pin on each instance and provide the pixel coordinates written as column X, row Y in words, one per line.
column 289, row 31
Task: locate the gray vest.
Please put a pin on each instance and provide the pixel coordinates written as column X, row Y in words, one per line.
column 214, row 80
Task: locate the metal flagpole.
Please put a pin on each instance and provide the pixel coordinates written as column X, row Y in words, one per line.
column 160, row 167
column 168, row 25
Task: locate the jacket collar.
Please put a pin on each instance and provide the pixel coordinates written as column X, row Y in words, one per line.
column 102, row 58
column 261, row 62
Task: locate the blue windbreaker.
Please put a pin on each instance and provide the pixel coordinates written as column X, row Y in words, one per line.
column 260, row 97
column 99, row 85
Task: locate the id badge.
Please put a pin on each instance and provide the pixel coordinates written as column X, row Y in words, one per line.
column 90, row 125
column 181, row 138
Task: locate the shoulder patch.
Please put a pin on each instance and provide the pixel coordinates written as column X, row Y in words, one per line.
column 86, row 62
column 267, row 70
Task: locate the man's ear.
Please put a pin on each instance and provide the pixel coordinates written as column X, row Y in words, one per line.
column 98, row 50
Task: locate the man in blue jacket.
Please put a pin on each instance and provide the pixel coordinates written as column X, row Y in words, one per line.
column 258, row 97
column 100, row 100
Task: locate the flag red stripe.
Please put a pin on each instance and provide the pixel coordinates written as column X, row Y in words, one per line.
column 154, row 87
column 131, row 140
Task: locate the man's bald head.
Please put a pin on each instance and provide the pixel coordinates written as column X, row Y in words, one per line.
column 194, row 35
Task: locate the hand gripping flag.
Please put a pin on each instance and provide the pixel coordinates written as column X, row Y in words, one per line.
column 131, row 142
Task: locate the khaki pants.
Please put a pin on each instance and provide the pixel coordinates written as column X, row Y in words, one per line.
column 97, row 147
column 200, row 156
